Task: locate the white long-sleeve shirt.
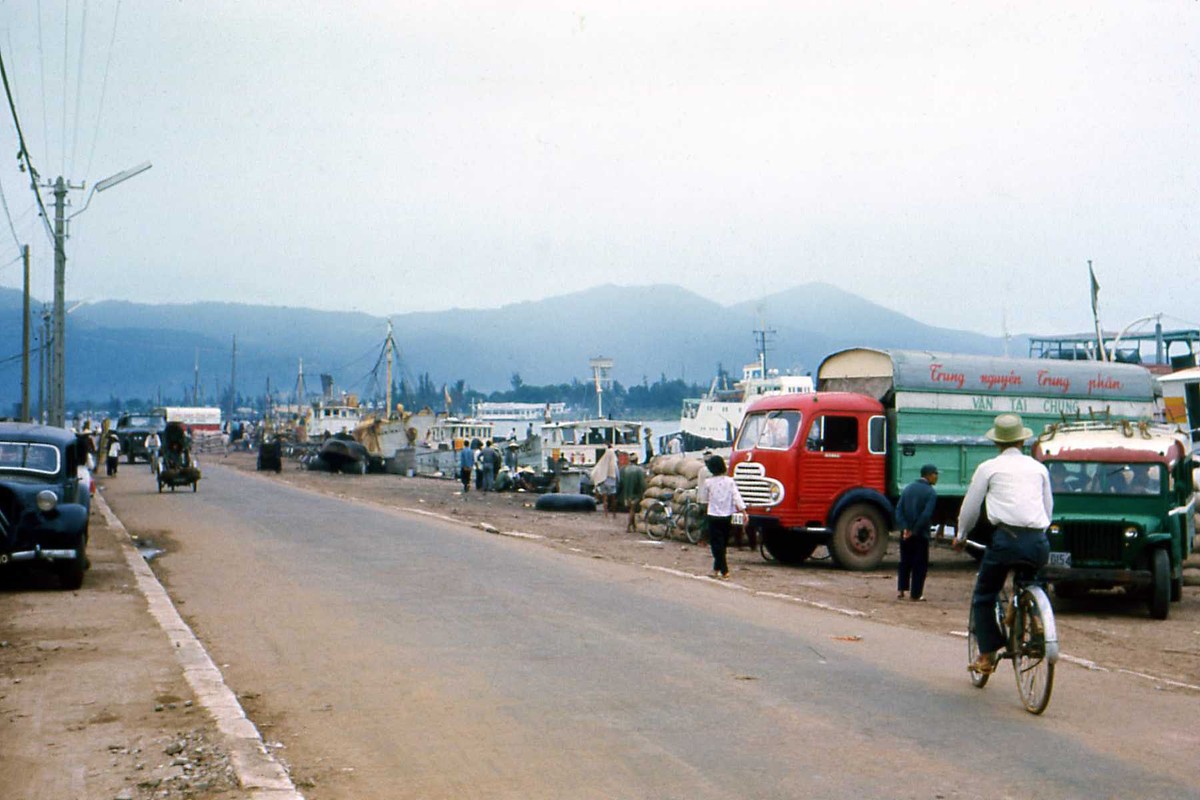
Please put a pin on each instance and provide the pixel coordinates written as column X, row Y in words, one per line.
column 1017, row 490
column 723, row 497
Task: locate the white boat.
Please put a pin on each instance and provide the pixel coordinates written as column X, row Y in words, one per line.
column 712, row 420
column 329, row 416
column 581, row 442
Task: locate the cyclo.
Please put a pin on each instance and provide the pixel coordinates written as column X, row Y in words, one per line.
column 177, row 467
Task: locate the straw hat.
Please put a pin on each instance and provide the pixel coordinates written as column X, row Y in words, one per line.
column 1008, row 429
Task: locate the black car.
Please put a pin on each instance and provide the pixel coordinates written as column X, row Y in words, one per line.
column 132, row 430
column 44, row 500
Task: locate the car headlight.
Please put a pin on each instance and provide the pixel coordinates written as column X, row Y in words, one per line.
column 1055, row 529
column 47, row 500
column 1131, row 533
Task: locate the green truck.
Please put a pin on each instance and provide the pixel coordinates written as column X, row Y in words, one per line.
column 1124, row 509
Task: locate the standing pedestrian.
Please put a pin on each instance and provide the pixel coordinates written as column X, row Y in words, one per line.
column 604, row 478
column 723, row 499
column 631, row 485
column 914, row 517
column 1016, row 489
column 113, row 456
column 466, row 460
column 488, row 458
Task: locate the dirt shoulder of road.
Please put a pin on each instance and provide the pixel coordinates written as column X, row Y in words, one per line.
column 1112, row 632
column 93, row 702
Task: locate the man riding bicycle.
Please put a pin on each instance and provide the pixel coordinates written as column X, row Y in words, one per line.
column 1020, row 505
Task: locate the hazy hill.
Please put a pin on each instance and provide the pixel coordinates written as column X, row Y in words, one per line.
column 134, row 350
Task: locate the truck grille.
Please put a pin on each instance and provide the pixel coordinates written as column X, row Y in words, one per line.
column 1093, row 541
column 754, row 486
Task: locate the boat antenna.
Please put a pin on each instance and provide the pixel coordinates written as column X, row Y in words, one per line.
column 762, row 336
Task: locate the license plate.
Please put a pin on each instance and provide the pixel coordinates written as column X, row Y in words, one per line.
column 739, row 518
column 1060, row 559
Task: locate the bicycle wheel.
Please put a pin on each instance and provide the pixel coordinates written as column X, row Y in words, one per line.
column 693, row 523
column 1036, row 650
column 658, row 520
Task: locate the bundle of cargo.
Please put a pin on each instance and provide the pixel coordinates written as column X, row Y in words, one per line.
column 673, row 479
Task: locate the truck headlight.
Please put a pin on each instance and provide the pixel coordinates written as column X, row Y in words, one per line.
column 1055, row 530
column 47, row 500
column 1131, row 533
column 776, row 494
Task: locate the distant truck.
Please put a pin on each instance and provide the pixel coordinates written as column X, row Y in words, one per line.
column 1124, row 509
column 194, row 418
column 132, row 430
column 827, row 468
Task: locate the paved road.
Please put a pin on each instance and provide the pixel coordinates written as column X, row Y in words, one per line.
column 398, row 656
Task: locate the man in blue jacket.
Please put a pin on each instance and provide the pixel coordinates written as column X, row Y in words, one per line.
column 914, row 516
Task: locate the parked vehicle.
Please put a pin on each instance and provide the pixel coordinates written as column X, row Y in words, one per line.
column 132, row 430
column 826, row 468
column 1124, row 503
column 44, row 500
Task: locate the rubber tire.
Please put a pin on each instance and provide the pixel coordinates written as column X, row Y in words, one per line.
column 195, row 485
column 1159, row 600
column 787, row 548
column 658, row 521
column 130, row 458
column 565, row 502
column 160, row 485
column 1035, row 703
column 978, row 680
column 860, row 538
column 70, row 575
column 693, row 523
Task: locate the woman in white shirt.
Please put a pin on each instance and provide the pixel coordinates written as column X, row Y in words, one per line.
column 723, row 500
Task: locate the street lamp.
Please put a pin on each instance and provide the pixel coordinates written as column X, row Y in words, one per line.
column 58, row 410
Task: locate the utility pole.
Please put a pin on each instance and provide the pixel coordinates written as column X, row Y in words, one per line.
column 233, row 381
column 196, row 380
column 25, row 341
column 58, row 356
column 43, row 367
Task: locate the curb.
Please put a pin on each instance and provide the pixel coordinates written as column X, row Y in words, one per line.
column 257, row 770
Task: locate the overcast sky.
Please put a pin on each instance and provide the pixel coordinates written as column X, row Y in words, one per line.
column 957, row 161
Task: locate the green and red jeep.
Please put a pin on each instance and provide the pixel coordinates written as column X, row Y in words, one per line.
column 1124, row 509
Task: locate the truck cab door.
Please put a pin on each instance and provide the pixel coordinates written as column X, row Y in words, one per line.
column 829, row 461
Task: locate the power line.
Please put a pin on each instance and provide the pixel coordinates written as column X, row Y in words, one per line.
column 103, row 89
column 33, row 173
column 42, row 74
column 78, row 88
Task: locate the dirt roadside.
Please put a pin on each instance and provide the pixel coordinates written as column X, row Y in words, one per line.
column 93, row 700
column 94, row 703
column 1110, row 632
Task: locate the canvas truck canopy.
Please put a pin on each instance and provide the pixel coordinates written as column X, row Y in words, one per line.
column 940, row 405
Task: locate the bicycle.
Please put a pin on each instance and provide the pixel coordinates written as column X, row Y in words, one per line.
column 1026, row 621
column 660, row 518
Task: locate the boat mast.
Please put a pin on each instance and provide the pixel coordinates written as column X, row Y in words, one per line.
column 762, row 335
column 388, row 392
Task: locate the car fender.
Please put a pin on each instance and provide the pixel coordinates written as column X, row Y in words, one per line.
column 66, row 518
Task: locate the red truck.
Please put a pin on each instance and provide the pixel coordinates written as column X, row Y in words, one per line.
column 827, row 468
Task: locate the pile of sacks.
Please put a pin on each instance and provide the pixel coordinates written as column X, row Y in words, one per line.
column 674, row 479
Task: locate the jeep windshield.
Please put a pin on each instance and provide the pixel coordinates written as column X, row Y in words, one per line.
column 28, row 457
column 1105, row 477
column 772, row 430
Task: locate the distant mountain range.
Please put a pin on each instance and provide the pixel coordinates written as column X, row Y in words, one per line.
column 129, row 350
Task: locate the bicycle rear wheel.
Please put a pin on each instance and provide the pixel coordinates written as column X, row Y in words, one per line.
column 1035, row 654
column 693, row 523
column 978, row 679
column 658, row 520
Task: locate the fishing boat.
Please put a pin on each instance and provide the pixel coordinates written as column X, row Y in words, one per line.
column 712, row 421
column 579, row 443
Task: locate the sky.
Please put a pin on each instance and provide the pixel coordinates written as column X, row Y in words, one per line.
column 958, row 162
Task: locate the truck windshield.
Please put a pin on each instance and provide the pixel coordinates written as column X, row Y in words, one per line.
column 141, row 422
column 771, row 430
column 1093, row 477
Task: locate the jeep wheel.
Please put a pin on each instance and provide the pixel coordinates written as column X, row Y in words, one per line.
column 1160, row 588
column 860, row 538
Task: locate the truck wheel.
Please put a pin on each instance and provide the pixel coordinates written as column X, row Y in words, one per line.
column 860, row 538
column 1160, row 589
column 786, row 548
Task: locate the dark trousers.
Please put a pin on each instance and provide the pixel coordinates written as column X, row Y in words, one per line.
column 914, row 564
column 718, row 541
column 110, row 464
column 464, row 474
column 1007, row 547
